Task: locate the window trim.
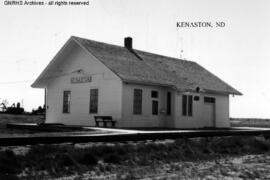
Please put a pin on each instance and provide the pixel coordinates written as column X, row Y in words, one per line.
column 208, row 99
column 190, row 105
column 153, row 93
column 68, row 102
column 137, row 103
column 90, row 101
column 187, row 105
column 155, row 111
column 184, row 105
column 169, row 103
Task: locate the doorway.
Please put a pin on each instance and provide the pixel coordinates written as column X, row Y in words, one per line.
column 209, row 112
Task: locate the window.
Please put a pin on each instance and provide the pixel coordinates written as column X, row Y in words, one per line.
column 209, row 100
column 184, row 105
column 190, row 102
column 196, row 98
column 154, row 94
column 137, row 101
column 187, row 105
column 93, row 101
column 169, row 99
column 66, row 102
column 155, row 107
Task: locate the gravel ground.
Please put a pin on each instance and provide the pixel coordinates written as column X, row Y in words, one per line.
column 241, row 167
column 198, row 158
column 9, row 132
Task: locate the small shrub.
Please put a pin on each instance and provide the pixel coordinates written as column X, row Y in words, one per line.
column 261, row 145
column 64, row 160
column 120, row 150
column 39, row 152
column 239, row 144
column 9, row 153
column 107, row 149
column 88, row 159
column 9, row 162
column 8, row 176
column 112, row 158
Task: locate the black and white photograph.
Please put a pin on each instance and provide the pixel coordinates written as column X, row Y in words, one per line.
column 133, row 89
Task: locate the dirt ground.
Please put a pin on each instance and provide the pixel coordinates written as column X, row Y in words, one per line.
column 9, row 132
column 241, row 167
column 10, row 118
column 250, row 122
column 198, row 158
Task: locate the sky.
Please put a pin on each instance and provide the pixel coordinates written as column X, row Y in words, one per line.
column 237, row 53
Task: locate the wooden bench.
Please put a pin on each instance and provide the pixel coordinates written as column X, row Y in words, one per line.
column 104, row 120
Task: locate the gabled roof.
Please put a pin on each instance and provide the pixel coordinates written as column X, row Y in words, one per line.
column 147, row 68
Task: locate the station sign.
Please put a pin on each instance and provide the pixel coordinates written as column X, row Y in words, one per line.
column 81, row 79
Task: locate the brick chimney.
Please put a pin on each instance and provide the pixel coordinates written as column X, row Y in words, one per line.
column 128, row 42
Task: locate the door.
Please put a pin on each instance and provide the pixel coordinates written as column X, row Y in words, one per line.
column 209, row 112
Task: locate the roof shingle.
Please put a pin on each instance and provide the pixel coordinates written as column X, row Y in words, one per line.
column 155, row 69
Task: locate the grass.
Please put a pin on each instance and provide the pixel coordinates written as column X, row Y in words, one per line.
column 46, row 161
column 10, row 118
column 56, row 131
column 60, row 160
column 250, row 122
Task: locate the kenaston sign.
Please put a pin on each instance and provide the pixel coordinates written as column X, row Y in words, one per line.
column 81, row 79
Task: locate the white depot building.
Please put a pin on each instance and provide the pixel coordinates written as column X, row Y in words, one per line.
column 138, row 89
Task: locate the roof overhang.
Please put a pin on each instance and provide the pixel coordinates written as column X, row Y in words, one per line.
column 223, row 92
column 41, row 81
column 148, row 83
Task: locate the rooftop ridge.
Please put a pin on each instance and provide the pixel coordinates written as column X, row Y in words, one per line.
column 155, row 68
column 139, row 50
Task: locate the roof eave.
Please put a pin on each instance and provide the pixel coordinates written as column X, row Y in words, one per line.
column 148, row 83
column 37, row 83
column 234, row 92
